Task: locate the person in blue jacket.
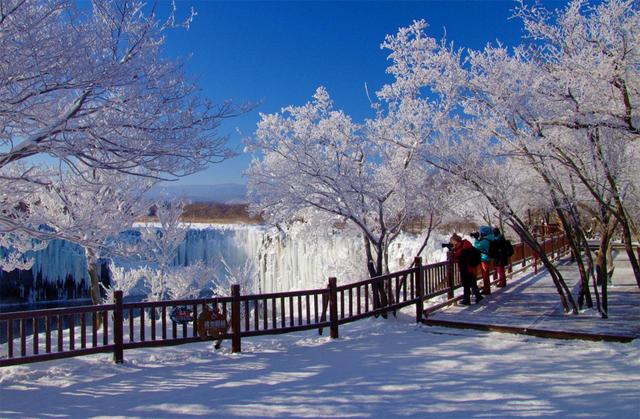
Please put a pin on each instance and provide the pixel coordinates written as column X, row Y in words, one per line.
column 501, row 260
column 482, row 242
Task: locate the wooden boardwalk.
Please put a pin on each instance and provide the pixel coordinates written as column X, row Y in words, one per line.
column 530, row 305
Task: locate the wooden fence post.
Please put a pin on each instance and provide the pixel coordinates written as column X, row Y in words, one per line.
column 450, row 275
column 419, row 289
column 118, row 350
column 604, row 296
column 323, row 312
column 333, row 307
column 236, row 345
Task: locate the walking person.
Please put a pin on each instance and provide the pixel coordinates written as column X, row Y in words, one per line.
column 462, row 249
column 482, row 242
column 501, row 257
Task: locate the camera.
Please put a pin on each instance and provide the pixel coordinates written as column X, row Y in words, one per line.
column 447, row 245
column 475, row 234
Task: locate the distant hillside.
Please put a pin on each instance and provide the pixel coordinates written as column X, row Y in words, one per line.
column 211, row 212
column 226, row 193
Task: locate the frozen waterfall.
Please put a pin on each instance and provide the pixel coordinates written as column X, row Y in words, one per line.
column 282, row 263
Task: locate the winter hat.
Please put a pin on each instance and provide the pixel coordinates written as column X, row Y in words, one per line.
column 485, row 230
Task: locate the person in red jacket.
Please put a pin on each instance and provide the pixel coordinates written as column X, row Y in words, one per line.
column 460, row 249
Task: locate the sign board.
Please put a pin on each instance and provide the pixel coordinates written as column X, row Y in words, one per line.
column 212, row 323
column 181, row 315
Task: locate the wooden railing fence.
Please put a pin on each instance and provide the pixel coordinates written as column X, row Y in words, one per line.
column 68, row 332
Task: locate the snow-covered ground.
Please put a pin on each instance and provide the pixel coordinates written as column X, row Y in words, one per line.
column 377, row 368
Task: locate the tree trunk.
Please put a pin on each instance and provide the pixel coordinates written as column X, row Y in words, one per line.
column 583, row 243
column 566, row 297
column 384, row 302
column 610, row 266
column 563, row 291
column 93, row 269
column 379, row 296
column 371, row 265
column 620, row 212
column 591, row 270
column 628, row 246
column 561, row 286
column 601, row 273
column 94, row 289
column 572, row 232
column 608, row 225
column 426, row 239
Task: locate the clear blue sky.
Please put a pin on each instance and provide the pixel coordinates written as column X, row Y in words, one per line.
column 277, row 53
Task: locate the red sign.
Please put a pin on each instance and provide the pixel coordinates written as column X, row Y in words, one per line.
column 181, row 315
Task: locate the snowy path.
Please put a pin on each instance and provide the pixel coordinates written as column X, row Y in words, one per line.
column 377, row 368
column 532, row 302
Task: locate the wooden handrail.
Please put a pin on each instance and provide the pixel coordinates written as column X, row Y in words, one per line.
column 382, row 277
column 285, row 294
column 49, row 312
column 171, row 303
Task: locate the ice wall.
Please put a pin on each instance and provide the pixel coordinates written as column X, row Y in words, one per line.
column 282, row 263
column 286, row 263
column 60, row 259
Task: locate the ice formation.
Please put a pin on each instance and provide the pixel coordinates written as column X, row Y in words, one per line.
column 282, row 263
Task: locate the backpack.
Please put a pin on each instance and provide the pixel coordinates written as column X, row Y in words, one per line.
column 503, row 249
column 507, row 248
column 471, row 256
column 494, row 249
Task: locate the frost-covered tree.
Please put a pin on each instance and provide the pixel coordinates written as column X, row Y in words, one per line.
column 568, row 105
column 88, row 86
column 152, row 258
column 123, row 279
column 434, row 99
column 243, row 275
column 314, row 161
column 21, row 219
column 107, row 203
column 159, row 245
column 189, row 281
column 590, row 88
column 181, row 282
column 564, row 104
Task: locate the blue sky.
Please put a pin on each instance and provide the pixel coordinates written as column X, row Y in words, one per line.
column 277, row 53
